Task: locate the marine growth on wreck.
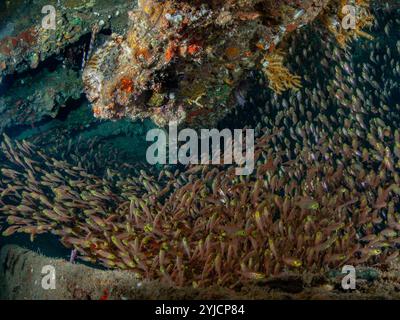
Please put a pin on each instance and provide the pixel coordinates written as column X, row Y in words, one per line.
column 321, row 94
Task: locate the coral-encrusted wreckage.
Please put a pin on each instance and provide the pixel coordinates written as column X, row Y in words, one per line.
column 182, row 60
column 40, row 68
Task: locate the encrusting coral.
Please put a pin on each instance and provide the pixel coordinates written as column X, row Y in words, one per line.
column 279, row 77
column 339, row 20
column 183, row 60
column 210, row 46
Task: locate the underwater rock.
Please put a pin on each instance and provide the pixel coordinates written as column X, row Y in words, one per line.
column 24, row 42
column 40, row 70
column 183, row 60
column 35, row 97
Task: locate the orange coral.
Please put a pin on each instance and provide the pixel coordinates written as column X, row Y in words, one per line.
column 96, row 111
column 193, row 49
column 143, row 53
column 279, row 77
column 291, row 27
column 170, row 53
column 364, row 19
column 127, row 85
column 232, row 52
